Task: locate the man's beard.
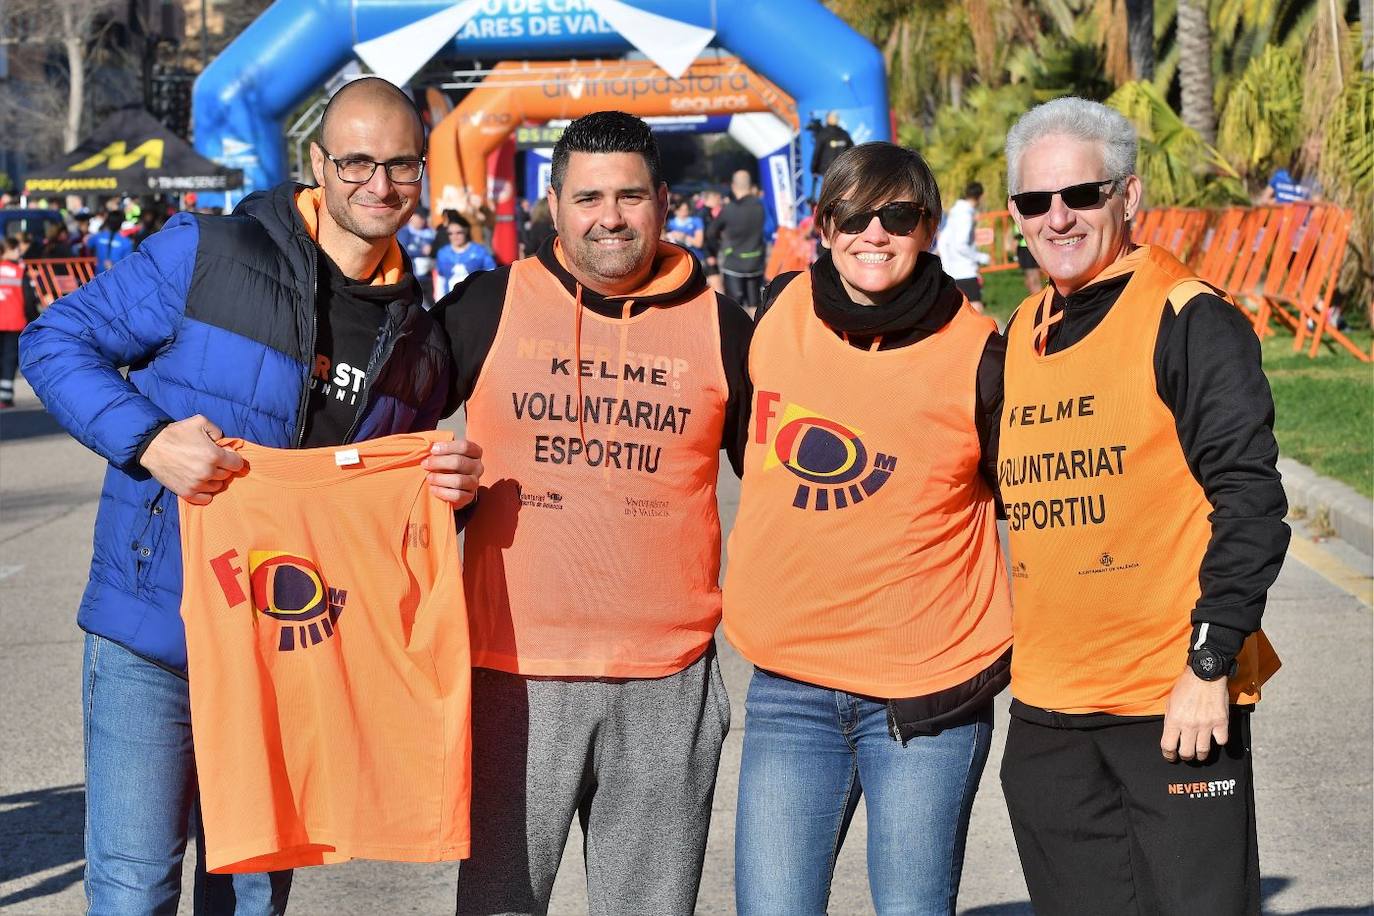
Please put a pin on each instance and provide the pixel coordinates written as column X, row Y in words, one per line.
column 614, row 263
column 371, row 230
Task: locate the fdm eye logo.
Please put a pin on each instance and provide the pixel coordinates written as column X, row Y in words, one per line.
column 287, row 588
column 836, row 467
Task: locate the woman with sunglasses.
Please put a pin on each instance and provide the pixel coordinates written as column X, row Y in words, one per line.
column 865, row 579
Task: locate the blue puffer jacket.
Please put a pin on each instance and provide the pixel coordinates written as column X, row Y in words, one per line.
column 212, row 316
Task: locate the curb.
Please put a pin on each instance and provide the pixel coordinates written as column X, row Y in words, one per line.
column 1346, row 512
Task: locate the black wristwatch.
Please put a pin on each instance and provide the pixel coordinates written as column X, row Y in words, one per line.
column 1210, row 665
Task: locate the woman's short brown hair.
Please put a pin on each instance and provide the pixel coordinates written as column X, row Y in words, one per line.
column 871, row 174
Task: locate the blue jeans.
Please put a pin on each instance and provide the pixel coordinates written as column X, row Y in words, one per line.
column 810, row 753
column 141, row 792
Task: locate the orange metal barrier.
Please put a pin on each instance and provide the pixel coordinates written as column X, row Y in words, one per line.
column 995, row 235
column 1146, row 227
column 1314, row 300
column 1227, row 240
column 1273, row 262
column 1186, row 235
column 1280, row 263
column 53, row 278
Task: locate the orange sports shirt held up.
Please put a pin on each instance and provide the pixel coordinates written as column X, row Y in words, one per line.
column 1107, row 524
column 865, row 556
column 328, row 655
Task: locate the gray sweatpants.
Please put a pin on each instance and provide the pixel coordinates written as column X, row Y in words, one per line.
column 634, row 759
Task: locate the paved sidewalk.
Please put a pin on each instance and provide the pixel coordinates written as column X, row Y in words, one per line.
column 1330, row 504
column 1313, row 741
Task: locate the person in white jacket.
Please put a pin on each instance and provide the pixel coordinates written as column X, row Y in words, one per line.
column 955, row 246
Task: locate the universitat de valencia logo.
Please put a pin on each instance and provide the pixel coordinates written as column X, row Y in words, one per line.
column 289, row 590
column 837, row 469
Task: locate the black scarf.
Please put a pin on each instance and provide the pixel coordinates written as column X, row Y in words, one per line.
column 912, row 307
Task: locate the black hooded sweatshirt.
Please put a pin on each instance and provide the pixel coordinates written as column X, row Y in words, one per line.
column 471, row 314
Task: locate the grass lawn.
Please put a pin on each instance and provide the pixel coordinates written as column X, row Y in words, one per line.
column 1324, row 407
column 1003, row 292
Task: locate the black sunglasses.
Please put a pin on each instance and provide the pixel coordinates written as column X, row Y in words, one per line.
column 1076, row 197
column 900, row 217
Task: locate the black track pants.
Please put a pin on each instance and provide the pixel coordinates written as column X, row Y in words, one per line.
column 747, row 291
column 1104, row 824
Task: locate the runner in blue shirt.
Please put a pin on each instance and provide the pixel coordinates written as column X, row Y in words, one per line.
column 1283, row 188
column 109, row 245
column 687, row 229
column 417, row 238
column 459, row 257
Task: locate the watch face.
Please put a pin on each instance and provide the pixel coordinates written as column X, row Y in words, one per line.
column 1208, row 664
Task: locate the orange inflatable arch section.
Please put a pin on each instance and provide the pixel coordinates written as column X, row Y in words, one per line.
column 529, row 91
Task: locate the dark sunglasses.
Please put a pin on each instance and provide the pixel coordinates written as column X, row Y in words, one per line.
column 1076, row 197
column 900, row 217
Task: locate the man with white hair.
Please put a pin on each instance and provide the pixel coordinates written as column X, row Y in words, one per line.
column 1137, row 465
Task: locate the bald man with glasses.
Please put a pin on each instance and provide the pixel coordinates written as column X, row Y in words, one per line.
column 293, row 323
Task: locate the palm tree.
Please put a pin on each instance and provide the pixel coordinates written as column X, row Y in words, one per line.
column 1367, row 17
column 1347, row 168
column 928, row 50
column 967, row 143
column 1195, row 69
column 1176, row 166
column 1140, row 30
column 1261, row 125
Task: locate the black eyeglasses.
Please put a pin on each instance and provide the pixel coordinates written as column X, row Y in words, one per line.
column 901, row 217
column 1076, row 197
column 355, row 170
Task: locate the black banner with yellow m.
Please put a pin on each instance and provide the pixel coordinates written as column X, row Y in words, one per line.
column 132, row 153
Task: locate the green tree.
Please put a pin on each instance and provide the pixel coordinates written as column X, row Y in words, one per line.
column 1195, row 69
column 1348, row 174
column 1056, row 66
column 1261, row 125
column 1176, row 166
column 968, row 143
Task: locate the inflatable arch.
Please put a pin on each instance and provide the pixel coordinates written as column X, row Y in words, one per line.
column 765, row 135
column 241, row 99
column 517, row 92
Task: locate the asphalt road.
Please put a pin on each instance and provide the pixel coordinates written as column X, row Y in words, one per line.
column 1314, row 751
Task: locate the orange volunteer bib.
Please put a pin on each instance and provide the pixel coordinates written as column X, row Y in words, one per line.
column 594, row 550
column 1107, row 524
column 865, row 555
column 328, row 658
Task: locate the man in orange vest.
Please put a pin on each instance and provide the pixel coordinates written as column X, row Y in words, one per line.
column 1137, row 466
column 604, row 377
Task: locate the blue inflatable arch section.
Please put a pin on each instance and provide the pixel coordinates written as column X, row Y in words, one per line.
column 242, row 98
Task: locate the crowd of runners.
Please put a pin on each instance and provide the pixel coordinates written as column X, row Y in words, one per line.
column 880, row 426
